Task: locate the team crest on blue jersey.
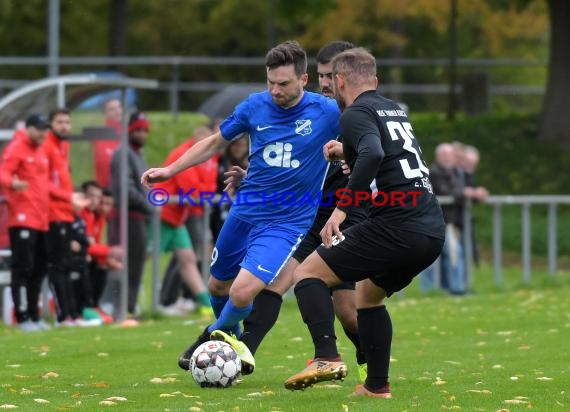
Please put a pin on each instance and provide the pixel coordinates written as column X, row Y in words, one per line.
column 303, row 127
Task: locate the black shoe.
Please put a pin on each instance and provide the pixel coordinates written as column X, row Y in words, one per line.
column 184, row 359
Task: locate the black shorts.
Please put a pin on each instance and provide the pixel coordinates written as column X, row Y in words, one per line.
column 313, row 240
column 388, row 256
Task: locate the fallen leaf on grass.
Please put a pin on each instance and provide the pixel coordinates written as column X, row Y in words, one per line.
column 50, row 375
column 515, row 402
column 8, row 406
column 15, row 365
column 344, row 408
column 163, row 380
column 439, row 381
column 166, row 395
column 195, row 409
column 107, row 403
column 452, row 362
column 296, row 339
column 484, row 391
column 25, row 391
column 497, row 367
column 259, row 394
column 102, row 385
column 524, row 347
column 116, row 398
column 544, row 378
column 40, row 400
column 505, row 333
column 102, row 354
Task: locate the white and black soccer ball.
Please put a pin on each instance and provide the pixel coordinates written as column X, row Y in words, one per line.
column 215, row 364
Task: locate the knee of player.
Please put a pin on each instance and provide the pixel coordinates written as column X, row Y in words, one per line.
column 216, row 288
column 241, row 296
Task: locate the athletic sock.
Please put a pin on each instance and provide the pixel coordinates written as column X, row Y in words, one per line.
column 266, row 307
column 204, row 299
column 375, row 328
column 355, row 339
column 230, row 317
column 218, row 303
column 315, row 304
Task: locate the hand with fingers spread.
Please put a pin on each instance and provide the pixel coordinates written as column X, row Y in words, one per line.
column 331, row 229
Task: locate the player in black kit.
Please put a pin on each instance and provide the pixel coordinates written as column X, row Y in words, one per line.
column 403, row 234
column 267, row 304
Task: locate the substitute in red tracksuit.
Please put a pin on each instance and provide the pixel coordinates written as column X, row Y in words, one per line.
column 202, row 178
column 103, row 149
column 24, row 176
column 61, row 214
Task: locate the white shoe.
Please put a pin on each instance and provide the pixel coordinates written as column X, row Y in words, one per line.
column 42, row 325
column 87, row 323
column 67, row 323
column 171, row 310
column 28, row 326
column 186, row 305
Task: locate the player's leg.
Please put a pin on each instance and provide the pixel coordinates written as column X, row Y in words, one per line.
column 313, row 279
column 269, row 249
column 266, row 307
column 343, row 296
column 230, row 249
column 267, row 304
column 375, row 328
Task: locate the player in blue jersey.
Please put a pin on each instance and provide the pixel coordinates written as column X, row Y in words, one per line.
column 288, row 128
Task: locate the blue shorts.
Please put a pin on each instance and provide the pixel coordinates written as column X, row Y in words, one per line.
column 262, row 250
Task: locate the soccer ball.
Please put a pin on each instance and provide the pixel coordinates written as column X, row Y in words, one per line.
column 215, row 364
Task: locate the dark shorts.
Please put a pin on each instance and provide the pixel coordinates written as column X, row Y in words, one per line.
column 313, row 240
column 388, row 256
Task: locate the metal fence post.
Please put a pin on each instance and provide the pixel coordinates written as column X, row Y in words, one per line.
column 497, row 243
column 526, row 242
column 468, row 241
column 552, row 241
column 155, row 255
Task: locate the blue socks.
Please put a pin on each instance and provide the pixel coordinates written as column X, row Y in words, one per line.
column 230, row 318
column 218, row 303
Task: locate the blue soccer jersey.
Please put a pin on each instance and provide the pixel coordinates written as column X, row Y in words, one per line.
column 286, row 164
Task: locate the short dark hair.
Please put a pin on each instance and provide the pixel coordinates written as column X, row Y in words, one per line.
column 331, row 49
column 89, row 183
column 285, row 54
column 107, row 193
column 55, row 112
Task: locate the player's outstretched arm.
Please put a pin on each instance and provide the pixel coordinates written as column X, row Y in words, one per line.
column 199, row 153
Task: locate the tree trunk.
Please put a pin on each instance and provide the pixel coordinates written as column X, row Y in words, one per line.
column 117, row 29
column 555, row 120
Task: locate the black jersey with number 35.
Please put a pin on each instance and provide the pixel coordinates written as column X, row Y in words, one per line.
column 399, row 176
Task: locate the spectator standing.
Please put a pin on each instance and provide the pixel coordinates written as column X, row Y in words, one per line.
column 24, row 176
column 446, row 181
column 139, row 208
column 61, row 210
